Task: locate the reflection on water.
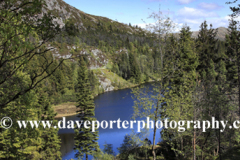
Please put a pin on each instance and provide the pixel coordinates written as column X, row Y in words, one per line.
column 67, row 143
column 109, row 106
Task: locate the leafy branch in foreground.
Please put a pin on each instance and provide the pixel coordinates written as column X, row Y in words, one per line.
column 24, row 33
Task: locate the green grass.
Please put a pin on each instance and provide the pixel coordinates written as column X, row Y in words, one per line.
column 117, row 81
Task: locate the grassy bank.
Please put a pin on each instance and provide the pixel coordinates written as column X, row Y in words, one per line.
column 65, row 109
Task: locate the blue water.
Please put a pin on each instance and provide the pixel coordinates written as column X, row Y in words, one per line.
column 109, row 106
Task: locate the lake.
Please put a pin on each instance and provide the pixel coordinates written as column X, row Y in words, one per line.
column 109, row 106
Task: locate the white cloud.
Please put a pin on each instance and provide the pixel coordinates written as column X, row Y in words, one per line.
column 185, row 1
column 194, row 24
column 195, row 13
column 228, row 18
column 209, row 6
column 193, row 17
column 142, row 25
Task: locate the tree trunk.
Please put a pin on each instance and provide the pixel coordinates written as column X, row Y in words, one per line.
column 86, row 157
column 181, row 144
column 194, row 133
column 194, row 145
column 154, row 133
column 219, row 145
column 153, row 147
column 238, row 85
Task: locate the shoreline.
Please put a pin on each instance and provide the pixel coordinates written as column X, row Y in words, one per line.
column 69, row 108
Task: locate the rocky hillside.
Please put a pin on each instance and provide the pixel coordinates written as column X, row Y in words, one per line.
column 92, row 29
column 82, row 20
column 64, row 12
column 104, row 41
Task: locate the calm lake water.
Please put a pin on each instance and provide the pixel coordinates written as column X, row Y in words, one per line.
column 109, row 106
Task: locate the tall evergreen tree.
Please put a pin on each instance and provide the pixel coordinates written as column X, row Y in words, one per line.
column 208, row 57
column 205, row 45
column 134, row 68
column 85, row 140
column 233, row 60
column 50, row 148
column 179, row 98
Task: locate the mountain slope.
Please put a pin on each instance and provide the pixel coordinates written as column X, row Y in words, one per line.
column 82, row 20
column 106, row 42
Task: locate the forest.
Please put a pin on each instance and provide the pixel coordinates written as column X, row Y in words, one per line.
column 196, row 79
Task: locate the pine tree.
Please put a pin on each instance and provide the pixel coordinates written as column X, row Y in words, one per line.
column 108, row 148
column 24, row 143
column 134, row 68
column 50, row 148
column 232, row 52
column 179, row 98
column 233, row 79
column 85, row 140
column 206, row 49
column 208, row 57
column 30, row 143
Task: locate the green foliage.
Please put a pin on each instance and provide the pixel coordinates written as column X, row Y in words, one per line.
column 108, row 149
column 134, row 68
column 28, row 143
column 131, row 157
column 232, row 46
column 70, row 28
column 85, row 140
column 25, row 64
column 20, row 143
column 205, row 45
column 20, row 46
column 198, row 80
column 103, row 156
column 127, row 146
column 50, row 148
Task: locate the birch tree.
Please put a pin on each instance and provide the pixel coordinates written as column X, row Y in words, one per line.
column 149, row 103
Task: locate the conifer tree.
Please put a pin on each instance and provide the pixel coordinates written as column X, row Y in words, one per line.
column 208, row 57
column 179, row 101
column 233, row 79
column 50, row 148
column 134, row 68
column 24, row 143
column 205, row 45
column 29, row 143
column 232, row 52
column 85, row 140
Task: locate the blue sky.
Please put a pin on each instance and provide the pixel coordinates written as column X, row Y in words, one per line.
column 190, row 12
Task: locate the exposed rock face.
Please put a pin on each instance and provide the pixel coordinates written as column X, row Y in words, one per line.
column 63, row 11
column 98, row 60
column 106, row 84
